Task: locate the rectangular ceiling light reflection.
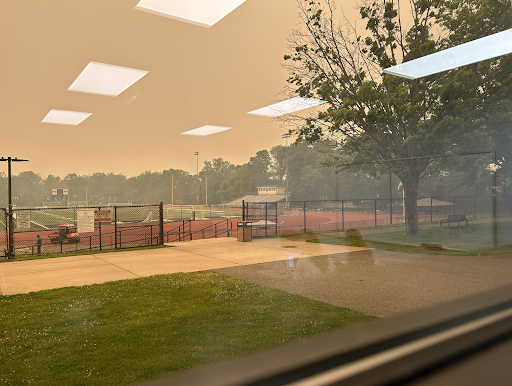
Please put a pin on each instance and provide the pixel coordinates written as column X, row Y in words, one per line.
column 472, row 52
column 200, row 12
column 286, row 107
column 64, row 117
column 206, row 130
column 105, row 79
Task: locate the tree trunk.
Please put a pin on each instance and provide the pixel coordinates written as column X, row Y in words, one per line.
column 411, row 182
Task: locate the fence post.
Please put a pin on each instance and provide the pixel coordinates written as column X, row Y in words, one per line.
column 266, row 217
column 115, row 226
column 151, row 234
column 342, row 214
column 494, row 203
column 6, row 251
column 243, row 210
column 161, row 224
column 276, row 216
column 99, row 228
column 304, row 216
column 390, row 200
column 375, row 212
column 10, row 246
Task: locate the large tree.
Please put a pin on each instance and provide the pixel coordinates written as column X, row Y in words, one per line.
column 388, row 123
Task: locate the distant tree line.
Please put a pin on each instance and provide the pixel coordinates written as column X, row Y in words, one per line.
column 301, row 164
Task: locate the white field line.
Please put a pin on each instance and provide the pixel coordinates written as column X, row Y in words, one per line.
column 41, row 225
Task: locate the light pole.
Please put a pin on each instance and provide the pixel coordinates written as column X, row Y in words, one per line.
column 197, row 173
column 10, row 247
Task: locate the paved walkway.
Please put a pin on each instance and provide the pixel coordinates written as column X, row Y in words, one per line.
column 35, row 275
column 380, row 283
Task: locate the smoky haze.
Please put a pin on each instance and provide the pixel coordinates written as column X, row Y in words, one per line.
column 197, row 76
column 223, row 181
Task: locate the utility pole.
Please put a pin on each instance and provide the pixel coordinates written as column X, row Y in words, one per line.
column 10, row 246
column 287, row 193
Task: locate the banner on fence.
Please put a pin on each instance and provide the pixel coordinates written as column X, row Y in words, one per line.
column 85, row 219
column 102, row 215
column 23, row 220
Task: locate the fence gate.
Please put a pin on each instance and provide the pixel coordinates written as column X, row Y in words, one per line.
column 263, row 216
column 4, row 235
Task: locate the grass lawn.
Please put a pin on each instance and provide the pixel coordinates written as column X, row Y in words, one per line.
column 130, row 331
column 474, row 243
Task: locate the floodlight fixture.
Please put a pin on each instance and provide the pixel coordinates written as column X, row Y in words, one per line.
column 105, row 79
column 287, row 106
column 204, row 13
column 475, row 51
column 206, row 130
column 65, row 117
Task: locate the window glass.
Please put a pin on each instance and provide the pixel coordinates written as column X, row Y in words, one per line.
column 123, row 239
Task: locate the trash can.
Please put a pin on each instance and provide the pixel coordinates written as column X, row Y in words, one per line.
column 244, row 231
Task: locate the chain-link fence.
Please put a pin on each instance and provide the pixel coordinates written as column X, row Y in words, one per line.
column 51, row 230
column 332, row 215
column 264, row 218
column 200, row 212
column 58, row 230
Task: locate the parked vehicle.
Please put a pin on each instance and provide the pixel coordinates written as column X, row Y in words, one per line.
column 65, row 233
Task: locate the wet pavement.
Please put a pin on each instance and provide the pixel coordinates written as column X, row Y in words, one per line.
column 376, row 282
column 380, row 283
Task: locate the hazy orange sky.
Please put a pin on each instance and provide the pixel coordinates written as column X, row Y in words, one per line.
column 197, row 76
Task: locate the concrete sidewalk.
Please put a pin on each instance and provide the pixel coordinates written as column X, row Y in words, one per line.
column 34, row 275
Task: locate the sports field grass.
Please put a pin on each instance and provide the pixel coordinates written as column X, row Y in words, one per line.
column 477, row 242
column 49, row 218
column 187, row 212
column 131, row 331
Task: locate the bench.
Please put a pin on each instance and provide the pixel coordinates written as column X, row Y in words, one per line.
column 454, row 218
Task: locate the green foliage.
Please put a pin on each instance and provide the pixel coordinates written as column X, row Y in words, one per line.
column 387, row 122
